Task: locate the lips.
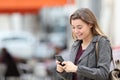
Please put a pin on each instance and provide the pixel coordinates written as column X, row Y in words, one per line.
column 79, row 34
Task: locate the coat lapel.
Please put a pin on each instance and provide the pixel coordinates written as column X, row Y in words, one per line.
column 89, row 48
column 74, row 50
column 87, row 51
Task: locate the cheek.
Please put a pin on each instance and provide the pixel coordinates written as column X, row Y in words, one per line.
column 84, row 30
column 73, row 30
column 88, row 31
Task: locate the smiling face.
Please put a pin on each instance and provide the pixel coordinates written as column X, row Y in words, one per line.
column 81, row 29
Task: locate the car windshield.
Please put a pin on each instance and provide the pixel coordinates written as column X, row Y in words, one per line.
column 14, row 39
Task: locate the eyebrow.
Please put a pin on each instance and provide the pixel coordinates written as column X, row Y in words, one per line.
column 77, row 25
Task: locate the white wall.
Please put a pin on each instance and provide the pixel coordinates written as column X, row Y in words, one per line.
column 4, row 22
column 116, row 25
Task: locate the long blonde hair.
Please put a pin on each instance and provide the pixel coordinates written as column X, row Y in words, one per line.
column 88, row 17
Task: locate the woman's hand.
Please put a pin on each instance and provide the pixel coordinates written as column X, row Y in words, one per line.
column 69, row 66
column 59, row 67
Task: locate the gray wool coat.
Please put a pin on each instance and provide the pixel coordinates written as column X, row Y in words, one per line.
column 87, row 67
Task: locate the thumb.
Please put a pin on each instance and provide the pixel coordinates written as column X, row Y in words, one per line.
column 64, row 62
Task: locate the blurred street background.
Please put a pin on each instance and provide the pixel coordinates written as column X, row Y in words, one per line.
column 34, row 31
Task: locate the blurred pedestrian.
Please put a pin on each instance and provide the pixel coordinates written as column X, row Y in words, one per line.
column 83, row 64
column 12, row 72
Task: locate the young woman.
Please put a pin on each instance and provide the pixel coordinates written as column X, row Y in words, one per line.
column 83, row 64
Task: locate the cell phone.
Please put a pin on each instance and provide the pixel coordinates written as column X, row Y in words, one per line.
column 60, row 59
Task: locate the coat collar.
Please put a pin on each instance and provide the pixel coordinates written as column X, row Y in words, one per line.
column 89, row 48
column 74, row 49
column 77, row 42
column 95, row 38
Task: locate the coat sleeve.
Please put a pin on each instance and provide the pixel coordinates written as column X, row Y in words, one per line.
column 64, row 75
column 101, row 72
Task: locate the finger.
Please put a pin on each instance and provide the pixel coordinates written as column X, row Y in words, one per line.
column 57, row 62
column 64, row 62
column 64, row 67
column 60, row 66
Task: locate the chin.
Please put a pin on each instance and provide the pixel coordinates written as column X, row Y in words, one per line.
column 79, row 38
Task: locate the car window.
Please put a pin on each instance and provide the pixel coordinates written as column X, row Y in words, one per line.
column 14, row 39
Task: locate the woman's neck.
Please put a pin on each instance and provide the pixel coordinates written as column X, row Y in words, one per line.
column 86, row 41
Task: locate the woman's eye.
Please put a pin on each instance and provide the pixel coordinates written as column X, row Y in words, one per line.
column 79, row 27
column 73, row 27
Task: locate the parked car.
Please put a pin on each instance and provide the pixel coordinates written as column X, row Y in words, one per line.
column 115, row 55
column 44, row 51
column 19, row 44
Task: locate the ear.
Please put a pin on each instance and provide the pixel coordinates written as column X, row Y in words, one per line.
column 90, row 25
